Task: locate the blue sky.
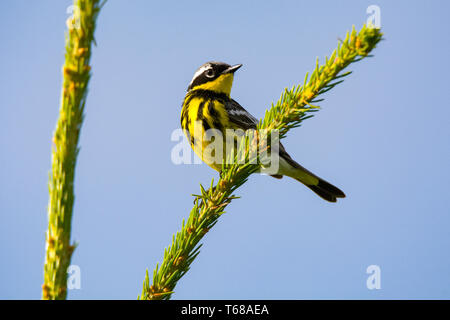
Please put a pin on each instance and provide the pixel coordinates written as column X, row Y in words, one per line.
column 382, row 137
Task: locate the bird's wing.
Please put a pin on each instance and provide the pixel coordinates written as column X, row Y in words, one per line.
column 243, row 119
column 239, row 116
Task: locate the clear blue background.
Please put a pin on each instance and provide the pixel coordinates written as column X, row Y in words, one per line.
column 382, row 136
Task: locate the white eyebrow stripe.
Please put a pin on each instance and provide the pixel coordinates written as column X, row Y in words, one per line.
column 199, row 72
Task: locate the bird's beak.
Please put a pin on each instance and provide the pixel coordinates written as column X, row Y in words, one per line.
column 232, row 69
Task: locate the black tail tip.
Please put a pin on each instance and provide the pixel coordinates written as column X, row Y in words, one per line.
column 327, row 191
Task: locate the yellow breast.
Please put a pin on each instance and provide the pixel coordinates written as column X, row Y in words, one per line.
column 204, row 121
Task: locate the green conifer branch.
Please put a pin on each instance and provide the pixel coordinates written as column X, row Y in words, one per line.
column 291, row 109
column 76, row 74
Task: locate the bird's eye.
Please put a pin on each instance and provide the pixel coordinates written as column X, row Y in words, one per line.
column 209, row 73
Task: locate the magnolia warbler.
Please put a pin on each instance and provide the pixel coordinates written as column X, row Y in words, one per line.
column 208, row 106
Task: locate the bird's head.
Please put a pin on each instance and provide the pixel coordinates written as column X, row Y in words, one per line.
column 214, row 76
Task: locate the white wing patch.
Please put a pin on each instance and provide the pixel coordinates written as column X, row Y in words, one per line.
column 238, row 112
column 242, row 112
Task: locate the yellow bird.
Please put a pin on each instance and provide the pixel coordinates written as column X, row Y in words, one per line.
column 208, row 105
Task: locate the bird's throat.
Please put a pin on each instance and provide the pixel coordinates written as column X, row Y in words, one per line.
column 222, row 84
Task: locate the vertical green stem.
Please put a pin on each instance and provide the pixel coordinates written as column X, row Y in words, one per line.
column 76, row 74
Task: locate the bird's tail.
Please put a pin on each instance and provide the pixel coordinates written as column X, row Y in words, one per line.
column 322, row 188
column 289, row 167
column 325, row 190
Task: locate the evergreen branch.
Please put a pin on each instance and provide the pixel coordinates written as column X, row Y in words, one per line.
column 76, row 74
column 291, row 109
